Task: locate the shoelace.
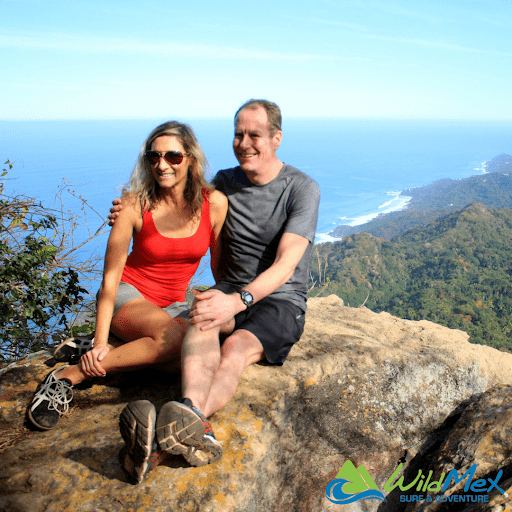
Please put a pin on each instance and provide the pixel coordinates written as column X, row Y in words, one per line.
column 155, row 458
column 58, row 393
column 206, row 424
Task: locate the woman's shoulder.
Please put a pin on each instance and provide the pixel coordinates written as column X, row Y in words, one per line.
column 217, row 199
column 131, row 201
column 218, row 207
column 131, row 210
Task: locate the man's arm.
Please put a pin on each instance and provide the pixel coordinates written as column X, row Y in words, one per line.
column 218, row 211
column 114, row 211
column 218, row 307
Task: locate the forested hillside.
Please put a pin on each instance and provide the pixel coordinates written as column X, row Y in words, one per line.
column 456, row 272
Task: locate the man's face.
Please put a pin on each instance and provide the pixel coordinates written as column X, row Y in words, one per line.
column 254, row 147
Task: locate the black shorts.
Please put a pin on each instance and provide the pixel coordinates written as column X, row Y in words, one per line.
column 278, row 324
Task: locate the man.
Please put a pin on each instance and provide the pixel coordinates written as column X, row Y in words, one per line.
column 260, row 302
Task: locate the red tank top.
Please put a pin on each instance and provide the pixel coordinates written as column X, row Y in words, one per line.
column 160, row 267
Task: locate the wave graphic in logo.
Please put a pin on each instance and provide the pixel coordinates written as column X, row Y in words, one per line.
column 351, row 485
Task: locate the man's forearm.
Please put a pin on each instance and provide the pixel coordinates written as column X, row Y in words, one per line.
column 269, row 281
column 290, row 251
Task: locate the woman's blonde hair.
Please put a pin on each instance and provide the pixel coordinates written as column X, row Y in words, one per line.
column 142, row 183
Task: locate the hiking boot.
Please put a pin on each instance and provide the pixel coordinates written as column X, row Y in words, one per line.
column 141, row 453
column 51, row 401
column 72, row 349
column 182, row 429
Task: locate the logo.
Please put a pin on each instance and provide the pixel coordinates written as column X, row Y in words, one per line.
column 353, row 484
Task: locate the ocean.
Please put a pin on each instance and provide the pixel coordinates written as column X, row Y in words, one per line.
column 360, row 165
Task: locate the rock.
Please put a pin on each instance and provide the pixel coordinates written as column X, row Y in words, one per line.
column 359, row 386
column 479, row 433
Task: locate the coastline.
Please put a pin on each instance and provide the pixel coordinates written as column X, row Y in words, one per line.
column 397, row 203
column 492, row 187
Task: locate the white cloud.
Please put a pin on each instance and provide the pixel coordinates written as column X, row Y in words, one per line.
column 437, row 44
column 69, row 42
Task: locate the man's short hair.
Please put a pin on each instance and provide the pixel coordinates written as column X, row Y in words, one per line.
column 273, row 113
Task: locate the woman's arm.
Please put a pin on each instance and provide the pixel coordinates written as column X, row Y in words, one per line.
column 128, row 221
column 218, row 210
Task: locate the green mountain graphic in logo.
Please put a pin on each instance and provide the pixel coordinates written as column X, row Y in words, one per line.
column 358, row 479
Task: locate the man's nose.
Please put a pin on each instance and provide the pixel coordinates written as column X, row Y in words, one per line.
column 245, row 141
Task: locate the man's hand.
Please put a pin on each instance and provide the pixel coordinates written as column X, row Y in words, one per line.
column 215, row 308
column 90, row 361
column 114, row 211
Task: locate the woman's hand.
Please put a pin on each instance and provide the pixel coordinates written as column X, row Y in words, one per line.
column 91, row 361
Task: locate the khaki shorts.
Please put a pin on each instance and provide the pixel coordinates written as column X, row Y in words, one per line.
column 127, row 292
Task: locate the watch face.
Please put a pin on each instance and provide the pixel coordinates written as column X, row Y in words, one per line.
column 247, row 298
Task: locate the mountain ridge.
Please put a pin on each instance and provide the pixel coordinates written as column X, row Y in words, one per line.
column 457, row 272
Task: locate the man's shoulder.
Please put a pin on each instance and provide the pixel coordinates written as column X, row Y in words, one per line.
column 298, row 177
column 232, row 173
column 226, row 179
column 290, row 170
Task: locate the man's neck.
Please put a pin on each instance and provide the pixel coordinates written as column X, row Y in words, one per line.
column 262, row 178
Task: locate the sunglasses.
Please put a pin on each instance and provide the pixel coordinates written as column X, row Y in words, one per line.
column 171, row 157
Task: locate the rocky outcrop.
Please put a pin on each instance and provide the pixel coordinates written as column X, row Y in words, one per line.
column 359, row 386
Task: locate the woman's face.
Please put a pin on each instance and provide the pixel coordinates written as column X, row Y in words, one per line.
column 166, row 174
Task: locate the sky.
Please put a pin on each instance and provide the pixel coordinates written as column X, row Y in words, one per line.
column 362, row 59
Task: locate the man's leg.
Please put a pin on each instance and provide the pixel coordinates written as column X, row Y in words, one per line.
column 238, row 351
column 182, row 428
column 200, row 359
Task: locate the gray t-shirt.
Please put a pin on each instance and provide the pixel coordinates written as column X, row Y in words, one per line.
column 257, row 217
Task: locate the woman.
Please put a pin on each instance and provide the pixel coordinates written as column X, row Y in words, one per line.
column 173, row 216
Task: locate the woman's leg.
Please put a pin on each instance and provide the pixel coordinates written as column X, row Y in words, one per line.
column 152, row 337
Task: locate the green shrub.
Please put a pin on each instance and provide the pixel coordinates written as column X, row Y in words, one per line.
column 39, row 283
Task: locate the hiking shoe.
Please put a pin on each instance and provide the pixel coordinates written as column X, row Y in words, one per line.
column 51, row 401
column 72, row 349
column 141, row 453
column 182, row 429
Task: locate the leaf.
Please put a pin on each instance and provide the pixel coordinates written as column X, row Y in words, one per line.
column 17, row 223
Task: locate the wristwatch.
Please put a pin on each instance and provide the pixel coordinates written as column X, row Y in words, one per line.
column 247, row 298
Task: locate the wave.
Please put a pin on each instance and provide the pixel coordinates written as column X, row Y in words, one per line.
column 394, row 205
column 398, row 203
column 334, row 493
column 321, row 238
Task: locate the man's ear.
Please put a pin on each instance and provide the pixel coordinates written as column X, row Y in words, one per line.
column 277, row 138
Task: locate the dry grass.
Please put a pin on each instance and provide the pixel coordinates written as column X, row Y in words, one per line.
column 11, row 436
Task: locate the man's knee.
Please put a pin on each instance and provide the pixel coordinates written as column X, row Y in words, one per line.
column 227, row 328
column 197, row 336
column 203, row 346
column 242, row 348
